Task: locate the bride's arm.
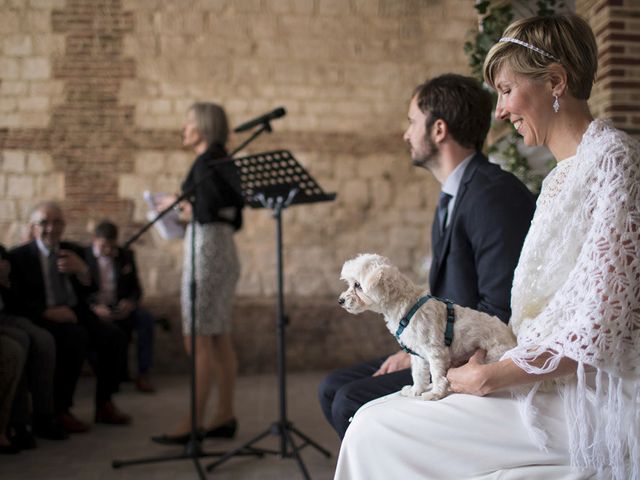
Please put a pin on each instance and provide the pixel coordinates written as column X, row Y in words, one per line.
column 478, row 378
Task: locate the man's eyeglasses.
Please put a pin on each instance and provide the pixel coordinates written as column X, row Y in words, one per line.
column 52, row 223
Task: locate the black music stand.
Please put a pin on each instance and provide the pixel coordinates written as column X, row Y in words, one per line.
column 275, row 180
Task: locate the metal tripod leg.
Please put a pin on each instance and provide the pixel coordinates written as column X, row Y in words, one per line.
column 285, row 431
column 191, row 451
column 296, row 453
column 282, row 428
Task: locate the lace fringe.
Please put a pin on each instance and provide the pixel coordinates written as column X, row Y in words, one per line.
column 529, row 415
column 603, row 422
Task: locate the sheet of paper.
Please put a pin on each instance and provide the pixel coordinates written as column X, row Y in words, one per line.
column 169, row 226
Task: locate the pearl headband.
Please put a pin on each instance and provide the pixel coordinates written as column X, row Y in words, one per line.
column 529, row 46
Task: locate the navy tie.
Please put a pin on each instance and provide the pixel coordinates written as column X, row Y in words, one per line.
column 443, row 209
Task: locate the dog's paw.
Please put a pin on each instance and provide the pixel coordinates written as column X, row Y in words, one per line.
column 433, row 395
column 413, row 391
column 409, row 391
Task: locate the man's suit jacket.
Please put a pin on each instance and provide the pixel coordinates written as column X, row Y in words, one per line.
column 473, row 263
column 4, row 292
column 125, row 273
column 27, row 281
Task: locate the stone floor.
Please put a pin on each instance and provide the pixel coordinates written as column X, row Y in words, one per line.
column 89, row 456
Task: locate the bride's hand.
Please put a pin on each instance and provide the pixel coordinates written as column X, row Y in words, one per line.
column 470, row 378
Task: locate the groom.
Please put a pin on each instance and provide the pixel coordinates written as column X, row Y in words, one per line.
column 482, row 218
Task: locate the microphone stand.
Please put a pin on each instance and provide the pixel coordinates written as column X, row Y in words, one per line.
column 192, row 449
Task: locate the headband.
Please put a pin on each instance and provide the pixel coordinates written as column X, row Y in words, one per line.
column 529, row 46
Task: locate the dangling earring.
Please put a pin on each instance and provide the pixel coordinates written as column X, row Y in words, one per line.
column 556, row 104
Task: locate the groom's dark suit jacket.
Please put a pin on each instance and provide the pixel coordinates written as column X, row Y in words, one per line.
column 473, row 263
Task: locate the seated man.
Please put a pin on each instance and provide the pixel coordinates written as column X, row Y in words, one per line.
column 37, row 377
column 12, row 360
column 478, row 230
column 114, row 271
column 50, row 284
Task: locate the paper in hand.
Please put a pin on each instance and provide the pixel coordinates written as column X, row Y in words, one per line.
column 169, row 226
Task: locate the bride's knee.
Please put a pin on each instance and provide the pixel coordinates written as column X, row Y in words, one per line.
column 361, row 427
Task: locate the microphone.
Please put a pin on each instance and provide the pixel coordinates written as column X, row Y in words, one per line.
column 261, row 120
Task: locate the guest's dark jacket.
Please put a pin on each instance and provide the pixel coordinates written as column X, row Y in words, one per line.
column 125, row 274
column 27, row 281
column 4, row 292
column 210, row 182
column 474, row 262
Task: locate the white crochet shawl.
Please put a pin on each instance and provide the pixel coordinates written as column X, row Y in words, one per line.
column 576, row 294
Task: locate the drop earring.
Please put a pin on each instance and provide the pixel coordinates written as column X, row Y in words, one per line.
column 556, row 104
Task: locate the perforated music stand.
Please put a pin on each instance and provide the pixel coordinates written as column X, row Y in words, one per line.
column 275, row 180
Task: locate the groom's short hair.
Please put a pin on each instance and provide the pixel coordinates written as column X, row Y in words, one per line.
column 461, row 102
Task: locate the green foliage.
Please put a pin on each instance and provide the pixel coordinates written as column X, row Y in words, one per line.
column 494, row 20
column 516, row 163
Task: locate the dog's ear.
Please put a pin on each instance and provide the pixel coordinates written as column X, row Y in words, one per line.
column 347, row 270
column 378, row 283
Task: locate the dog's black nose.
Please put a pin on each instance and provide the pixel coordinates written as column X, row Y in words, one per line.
column 341, row 301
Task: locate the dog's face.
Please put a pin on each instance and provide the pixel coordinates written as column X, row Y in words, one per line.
column 367, row 277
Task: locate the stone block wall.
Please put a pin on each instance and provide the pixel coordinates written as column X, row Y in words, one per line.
column 93, row 94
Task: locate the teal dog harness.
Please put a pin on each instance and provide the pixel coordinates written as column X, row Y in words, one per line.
column 404, row 321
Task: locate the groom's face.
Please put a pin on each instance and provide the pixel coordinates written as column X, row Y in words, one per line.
column 423, row 149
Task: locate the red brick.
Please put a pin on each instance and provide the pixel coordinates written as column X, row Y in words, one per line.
column 625, row 85
column 622, row 108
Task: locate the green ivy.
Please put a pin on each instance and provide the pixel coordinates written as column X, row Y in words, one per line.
column 494, row 20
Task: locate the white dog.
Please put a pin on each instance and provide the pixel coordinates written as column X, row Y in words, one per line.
column 378, row 286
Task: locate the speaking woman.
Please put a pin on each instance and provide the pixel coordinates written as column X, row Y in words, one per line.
column 217, row 213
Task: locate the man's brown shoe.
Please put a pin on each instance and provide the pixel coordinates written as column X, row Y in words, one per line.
column 71, row 424
column 144, row 385
column 110, row 415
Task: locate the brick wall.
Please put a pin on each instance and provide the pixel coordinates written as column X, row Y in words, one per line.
column 93, row 94
column 616, row 94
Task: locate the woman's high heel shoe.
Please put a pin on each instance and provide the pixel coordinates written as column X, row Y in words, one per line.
column 226, row 430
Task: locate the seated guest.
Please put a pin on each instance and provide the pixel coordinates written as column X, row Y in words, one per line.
column 19, row 430
column 12, row 359
column 37, row 377
column 51, row 283
column 114, row 271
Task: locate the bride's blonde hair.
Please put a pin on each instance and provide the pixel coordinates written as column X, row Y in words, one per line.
column 565, row 39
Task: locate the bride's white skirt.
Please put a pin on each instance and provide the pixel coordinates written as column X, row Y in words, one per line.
column 458, row 437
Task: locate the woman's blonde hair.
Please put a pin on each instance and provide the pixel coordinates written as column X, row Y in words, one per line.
column 211, row 121
column 566, row 37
